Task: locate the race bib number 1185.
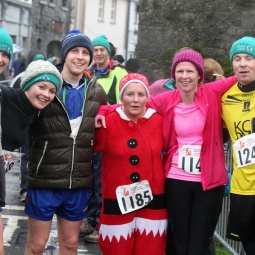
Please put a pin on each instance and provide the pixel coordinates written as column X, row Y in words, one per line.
column 134, row 196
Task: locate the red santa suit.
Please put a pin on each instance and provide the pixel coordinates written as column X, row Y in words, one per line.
column 131, row 155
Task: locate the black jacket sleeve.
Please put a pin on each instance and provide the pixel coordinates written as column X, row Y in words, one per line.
column 17, row 115
column 2, row 170
column 2, row 182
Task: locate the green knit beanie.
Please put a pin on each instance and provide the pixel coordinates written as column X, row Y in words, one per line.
column 101, row 41
column 6, row 44
column 244, row 45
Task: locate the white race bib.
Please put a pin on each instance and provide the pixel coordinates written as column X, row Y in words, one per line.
column 189, row 159
column 134, row 196
column 75, row 124
column 244, row 149
column 11, row 158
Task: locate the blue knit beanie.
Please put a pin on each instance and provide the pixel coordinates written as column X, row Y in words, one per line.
column 101, row 41
column 76, row 38
column 244, row 45
column 6, row 44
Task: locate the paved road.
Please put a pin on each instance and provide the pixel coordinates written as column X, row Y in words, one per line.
column 15, row 224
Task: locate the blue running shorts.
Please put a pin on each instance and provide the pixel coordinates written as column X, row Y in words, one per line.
column 70, row 204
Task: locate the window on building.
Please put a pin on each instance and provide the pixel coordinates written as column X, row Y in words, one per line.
column 136, row 14
column 24, row 19
column 64, row 3
column 131, row 54
column 101, row 10
column 14, row 38
column 113, row 11
column 25, row 46
column 39, row 43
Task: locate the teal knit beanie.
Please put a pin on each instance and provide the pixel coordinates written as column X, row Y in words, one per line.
column 101, row 41
column 244, row 45
column 6, row 44
column 41, row 70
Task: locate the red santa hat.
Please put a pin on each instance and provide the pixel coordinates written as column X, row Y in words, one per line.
column 134, row 77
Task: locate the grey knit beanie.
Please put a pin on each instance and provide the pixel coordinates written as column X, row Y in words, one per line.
column 41, row 70
column 76, row 39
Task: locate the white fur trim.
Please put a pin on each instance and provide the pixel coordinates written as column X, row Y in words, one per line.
column 125, row 230
column 138, row 81
column 149, row 112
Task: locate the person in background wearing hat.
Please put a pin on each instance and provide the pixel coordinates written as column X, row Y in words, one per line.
column 60, row 151
column 33, row 55
column 109, row 73
column 139, row 226
column 194, row 160
column 238, row 107
column 132, row 65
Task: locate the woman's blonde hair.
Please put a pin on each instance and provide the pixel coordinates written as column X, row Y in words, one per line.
column 213, row 70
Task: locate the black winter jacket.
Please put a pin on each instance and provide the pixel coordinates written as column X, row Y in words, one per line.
column 16, row 115
column 57, row 160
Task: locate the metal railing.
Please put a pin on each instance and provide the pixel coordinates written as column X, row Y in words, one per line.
column 6, row 82
column 220, row 232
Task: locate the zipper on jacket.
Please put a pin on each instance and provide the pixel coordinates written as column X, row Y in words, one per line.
column 44, row 149
column 74, row 137
column 71, row 181
column 65, row 112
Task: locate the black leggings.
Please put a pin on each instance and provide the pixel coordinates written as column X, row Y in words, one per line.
column 249, row 246
column 193, row 214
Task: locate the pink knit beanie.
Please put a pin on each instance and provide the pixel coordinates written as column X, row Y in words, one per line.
column 133, row 77
column 189, row 56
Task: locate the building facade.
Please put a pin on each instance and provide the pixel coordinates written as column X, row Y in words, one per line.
column 51, row 22
column 40, row 24
column 16, row 17
column 117, row 19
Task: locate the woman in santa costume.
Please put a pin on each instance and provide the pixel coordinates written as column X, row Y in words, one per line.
column 133, row 218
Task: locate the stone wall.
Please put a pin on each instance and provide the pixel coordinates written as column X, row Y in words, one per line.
column 50, row 22
column 211, row 24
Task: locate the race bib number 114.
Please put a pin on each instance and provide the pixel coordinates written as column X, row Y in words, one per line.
column 189, row 159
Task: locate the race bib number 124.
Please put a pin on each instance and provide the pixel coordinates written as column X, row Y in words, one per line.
column 244, row 149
